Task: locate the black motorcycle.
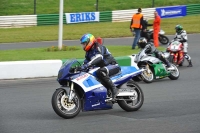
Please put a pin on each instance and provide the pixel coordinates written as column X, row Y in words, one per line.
column 161, row 37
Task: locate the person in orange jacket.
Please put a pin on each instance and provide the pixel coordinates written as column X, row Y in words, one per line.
column 136, row 26
column 156, row 28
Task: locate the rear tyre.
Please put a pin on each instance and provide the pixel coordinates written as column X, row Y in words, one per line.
column 163, row 39
column 174, row 74
column 134, row 102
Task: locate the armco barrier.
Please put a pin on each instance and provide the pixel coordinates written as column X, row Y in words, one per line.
column 43, row 68
column 49, row 19
column 126, row 15
column 29, row 69
column 193, row 9
column 18, row 21
column 104, row 16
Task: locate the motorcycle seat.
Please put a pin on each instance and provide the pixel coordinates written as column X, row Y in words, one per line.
column 115, row 74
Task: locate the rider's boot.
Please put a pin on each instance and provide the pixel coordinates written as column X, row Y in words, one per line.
column 113, row 88
column 190, row 63
column 169, row 66
column 167, row 63
column 188, row 59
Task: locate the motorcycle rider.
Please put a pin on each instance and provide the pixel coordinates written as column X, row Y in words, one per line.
column 99, row 56
column 151, row 49
column 181, row 36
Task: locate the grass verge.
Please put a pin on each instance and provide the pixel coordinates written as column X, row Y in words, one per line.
column 42, row 54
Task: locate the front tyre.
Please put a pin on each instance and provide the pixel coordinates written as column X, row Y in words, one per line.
column 62, row 107
column 174, row 74
column 134, row 102
column 147, row 75
column 171, row 59
column 163, row 39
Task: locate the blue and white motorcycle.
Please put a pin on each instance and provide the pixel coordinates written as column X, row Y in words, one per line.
column 81, row 90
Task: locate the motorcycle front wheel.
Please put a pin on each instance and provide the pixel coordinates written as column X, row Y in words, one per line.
column 134, row 102
column 63, row 107
column 163, row 39
column 171, row 59
column 147, row 75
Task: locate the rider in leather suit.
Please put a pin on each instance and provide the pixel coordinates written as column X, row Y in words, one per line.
column 181, row 36
column 99, row 56
column 151, row 49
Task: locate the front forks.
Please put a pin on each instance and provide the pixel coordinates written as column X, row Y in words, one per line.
column 71, row 94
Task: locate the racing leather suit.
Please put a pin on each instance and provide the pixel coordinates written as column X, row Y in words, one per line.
column 99, row 56
column 156, row 29
column 182, row 37
column 150, row 49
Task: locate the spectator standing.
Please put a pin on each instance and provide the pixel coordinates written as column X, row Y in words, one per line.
column 156, row 28
column 136, row 26
column 144, row 30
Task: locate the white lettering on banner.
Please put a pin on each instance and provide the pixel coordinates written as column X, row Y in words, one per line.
column 170, row 12
column 82, row 17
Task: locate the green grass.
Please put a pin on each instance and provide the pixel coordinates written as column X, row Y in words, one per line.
column 105, row 30
column 25, row 7
column 75, row 31
column 42, row 54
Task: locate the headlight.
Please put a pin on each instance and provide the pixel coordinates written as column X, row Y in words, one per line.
column 60, row 73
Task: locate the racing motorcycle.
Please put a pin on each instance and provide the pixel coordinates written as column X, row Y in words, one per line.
column 176, row 54
column 161, row 37
column 81, row 90
column 153, row 68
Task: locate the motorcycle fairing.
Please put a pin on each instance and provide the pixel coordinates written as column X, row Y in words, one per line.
column 151, row 59
column 96, row 99
column 160, row 70
column 175, row 46
column 95, row 93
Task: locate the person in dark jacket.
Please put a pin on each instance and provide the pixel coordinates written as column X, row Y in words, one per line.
column 99, row 56
column 144, row 32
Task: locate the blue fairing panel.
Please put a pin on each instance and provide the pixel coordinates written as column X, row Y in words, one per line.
column 95, row 99
column 126, row 70
column 90, row 81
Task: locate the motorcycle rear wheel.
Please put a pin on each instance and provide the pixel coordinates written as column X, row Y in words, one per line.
column 62, row 107
column 174, row 75
column 135, row 102
column 163, row 39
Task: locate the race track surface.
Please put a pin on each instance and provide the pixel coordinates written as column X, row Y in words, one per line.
column 169, row 106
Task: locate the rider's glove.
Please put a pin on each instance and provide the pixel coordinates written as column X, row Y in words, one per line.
column 84, row 66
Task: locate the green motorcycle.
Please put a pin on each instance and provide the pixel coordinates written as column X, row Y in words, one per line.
column 153, row 68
